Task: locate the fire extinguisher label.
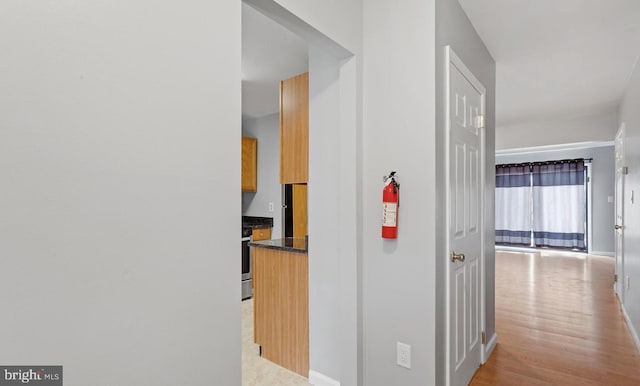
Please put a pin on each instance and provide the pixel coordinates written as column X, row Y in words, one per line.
column 389, row 214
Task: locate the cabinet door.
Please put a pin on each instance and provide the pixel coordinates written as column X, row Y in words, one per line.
column 261, row 234
column 299, row 210
column 294, row 129
column 249, row 164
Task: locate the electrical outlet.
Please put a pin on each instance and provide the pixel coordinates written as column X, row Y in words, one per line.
column 403, row 355
column 271, row 207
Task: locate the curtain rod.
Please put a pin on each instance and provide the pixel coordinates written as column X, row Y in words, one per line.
column 586, row 160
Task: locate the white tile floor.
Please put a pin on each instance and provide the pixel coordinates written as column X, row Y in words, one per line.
column 257, row 371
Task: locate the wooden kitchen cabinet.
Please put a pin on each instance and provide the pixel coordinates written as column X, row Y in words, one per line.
column 281, row 307
column 294, row 130
column 249, row 164
column 299, row 210
column 260, row 234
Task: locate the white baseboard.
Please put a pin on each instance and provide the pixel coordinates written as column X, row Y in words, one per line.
column 317, row 379
column 500, row 247
column 599, row 253
column 489, row 347
column 632, row 329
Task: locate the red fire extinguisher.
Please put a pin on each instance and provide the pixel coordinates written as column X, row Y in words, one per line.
column 390, row 204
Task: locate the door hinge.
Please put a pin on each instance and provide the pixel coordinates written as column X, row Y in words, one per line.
column 480, row 122
column 615, row 278
column 625, row 170
column 484, row 338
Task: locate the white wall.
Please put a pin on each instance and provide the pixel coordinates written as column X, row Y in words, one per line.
column 599, row 126
column 118, row 121
column 399, row 134
column 630, row 115
column 454, row 28
column 340, row 21
column 602, row 187
column 267, row 130
column 324, row 251
column 116, row 132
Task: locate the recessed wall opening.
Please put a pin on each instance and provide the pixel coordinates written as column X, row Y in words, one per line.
column 599, row 198
column 543, row 204
column 333, row 131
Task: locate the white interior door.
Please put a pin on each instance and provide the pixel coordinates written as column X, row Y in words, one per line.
column 465, row 201
column 619, row 207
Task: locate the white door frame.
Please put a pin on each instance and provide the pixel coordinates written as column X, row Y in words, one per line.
column 619, row 286
column 589, row 195
column 451, row 59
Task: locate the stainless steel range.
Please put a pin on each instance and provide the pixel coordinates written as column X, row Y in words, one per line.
column 248, row 223
column 247, row 274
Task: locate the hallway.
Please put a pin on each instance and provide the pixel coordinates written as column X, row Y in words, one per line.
column 558, row 323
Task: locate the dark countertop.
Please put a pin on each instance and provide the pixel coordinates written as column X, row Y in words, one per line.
column 288, row 244
column 257, row 226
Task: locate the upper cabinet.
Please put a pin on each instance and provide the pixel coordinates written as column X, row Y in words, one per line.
column 294, row 129
column 249, row 164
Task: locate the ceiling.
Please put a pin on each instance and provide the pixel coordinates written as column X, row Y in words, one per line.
column 554, row 58
column 270, row 53
column 557, row 57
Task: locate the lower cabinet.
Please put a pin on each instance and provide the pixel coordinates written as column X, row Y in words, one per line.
column 281, row 307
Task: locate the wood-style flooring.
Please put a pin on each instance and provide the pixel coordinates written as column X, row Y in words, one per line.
column 257, row 371
column 558, row 323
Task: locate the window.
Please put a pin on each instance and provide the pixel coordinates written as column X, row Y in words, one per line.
column 542, row 204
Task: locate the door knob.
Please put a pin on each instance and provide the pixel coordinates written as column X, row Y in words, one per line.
column 617, row 226
column 457, row 257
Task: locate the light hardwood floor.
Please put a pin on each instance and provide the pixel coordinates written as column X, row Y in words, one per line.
column 257, row 371
column 558, row 323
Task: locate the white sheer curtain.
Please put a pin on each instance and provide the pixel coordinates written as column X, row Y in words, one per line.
column 559, row 207
column 513, row 204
